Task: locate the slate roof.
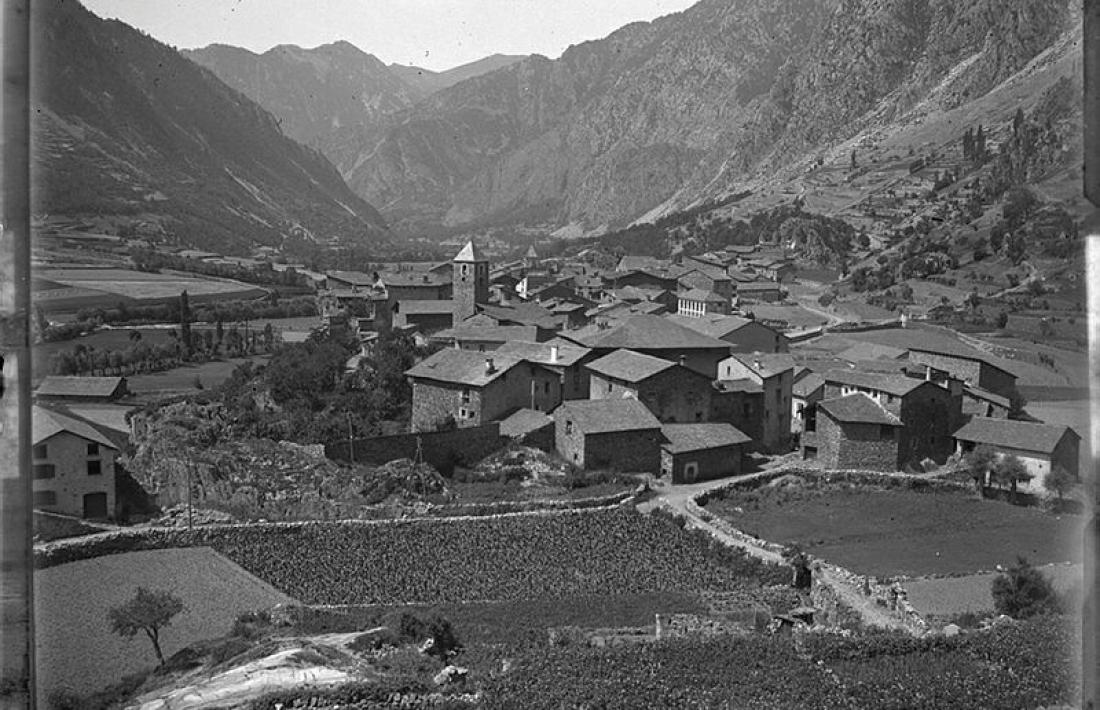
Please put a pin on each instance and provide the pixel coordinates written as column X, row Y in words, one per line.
column 646, row 332
column 425, row 306
column 464, row 367
column 49, row 422
column 488, row 333
column 698, row 294
column 979, row 393
column 73, row 386
column 897, row 385
column 523, row 422
column 714, row 325
column 758, row 286
column 871, row 351
column 602, row 416
column 683, row 438
column 568, row 353
column 470, row 252
column 629, row 365
column 858, row 408
column 1013, row 434
column 807, row 385
column 631, row 262
column 523, row 313
column 950, row 348
column 743, row 384
column 413, row 278
column 766, row 364
column 356, row 278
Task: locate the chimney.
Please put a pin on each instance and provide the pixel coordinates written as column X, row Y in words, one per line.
column 553, row 353
column 756, row 364
column 683, row 361
column 928, row 373
column 489, row 368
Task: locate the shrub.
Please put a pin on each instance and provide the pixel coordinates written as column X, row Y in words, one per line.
column 1023, row 592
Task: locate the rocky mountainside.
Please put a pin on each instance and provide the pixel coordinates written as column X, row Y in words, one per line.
column 126, row 128
column 661, row 115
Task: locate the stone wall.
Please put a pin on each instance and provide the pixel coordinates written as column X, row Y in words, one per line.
column 633, row 451
column 441, row 449
column 712, row 463
column 850, row 444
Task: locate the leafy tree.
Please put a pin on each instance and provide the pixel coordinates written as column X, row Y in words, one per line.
column 185, row 321
column 979, row 462
column 1010, row 471
column 1022, row 592
column 148, row 611
column 1060, row 481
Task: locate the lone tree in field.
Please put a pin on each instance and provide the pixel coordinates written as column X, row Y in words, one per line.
column 148, row 611
column 979, row 462
column 1023, row 591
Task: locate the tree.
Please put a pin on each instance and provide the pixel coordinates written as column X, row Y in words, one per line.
column 979, row 462
column 185, row 322
column 1010, row 471
column 1060, row 481
column 148, row 611
column 1022, row 592
column 1017, row 121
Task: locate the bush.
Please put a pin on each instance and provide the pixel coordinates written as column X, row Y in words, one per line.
column 1023, row 592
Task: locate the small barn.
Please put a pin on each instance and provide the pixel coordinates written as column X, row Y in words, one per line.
column 701, row 452
column 1040, row 446
column 104, row 389
column 608, row 433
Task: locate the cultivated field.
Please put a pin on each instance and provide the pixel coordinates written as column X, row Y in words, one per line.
column 943, row 597
column 182, row 379
column 902, row 532
column 73, row 289
column 76, row 648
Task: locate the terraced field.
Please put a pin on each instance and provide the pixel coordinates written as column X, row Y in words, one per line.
column 76, row 648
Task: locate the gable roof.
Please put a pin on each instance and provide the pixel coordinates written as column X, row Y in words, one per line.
column 464, row 367
column 629, row 365
column 568, row 353
column 522, row 313
column 759, row 286
column 858, row 408
column 48, row 422
column 356, row 278
column 949, row 348
column 986, row 395
column 601, row 416
column 698, row 294
column 1013, row 434
column 425, row 306
column 897, row 385
column 647, row 332
column 488, row 333
column 766, row 364
column 807, row 385
column 470, row 252
column 74, row 386
column 523, row 422
column 683, row 438
column 714, row 325
column 742, row 384
column 871, row 351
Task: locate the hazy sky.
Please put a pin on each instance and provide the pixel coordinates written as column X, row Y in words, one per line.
column 434, row 34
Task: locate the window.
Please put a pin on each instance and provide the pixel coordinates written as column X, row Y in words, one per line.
column 465, row 396
column 746, row 409
column 546, row 387
column 610, row 386
column 40, row 451
column 568, row 427
column 45, row 498
column 94, row 468
column 885, row 432
column 93, row 449
column 464, row 413
column 43, row 470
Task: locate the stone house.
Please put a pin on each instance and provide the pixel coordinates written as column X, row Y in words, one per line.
column 978, row 402
column 656, row 336
column 808, row 389
column 774, row 372
column 706, row 277
column 73, row 465
column 929, row 412
column 854, row 431
column 425, row 316
column 744, row 335
column 1040, row 446
column 766, row 291
column 741, row 404
column 567, row 359
column 475, row 389
column 415, row 285
column 968, row 364
column 672, row 392
column 701, row 452
column 608, row 433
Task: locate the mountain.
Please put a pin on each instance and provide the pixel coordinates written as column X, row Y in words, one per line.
column 428, row 82
column 126, row 129
column 658, row 116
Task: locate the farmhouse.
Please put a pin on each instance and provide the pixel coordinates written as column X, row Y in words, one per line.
column 474, row 389
column 73, row 464
column 966, row 364
column 700, row 452
column 697, row 303
column 767, row 291
column 744, row 335
column 1040, row 446
column 854, row 431
column 615, row 433
column 671, row 391
column 929, row 413
column 774, row 373
column 104, row 389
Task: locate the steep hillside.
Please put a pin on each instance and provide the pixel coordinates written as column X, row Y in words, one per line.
column 690, row 106
column 126, row 128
